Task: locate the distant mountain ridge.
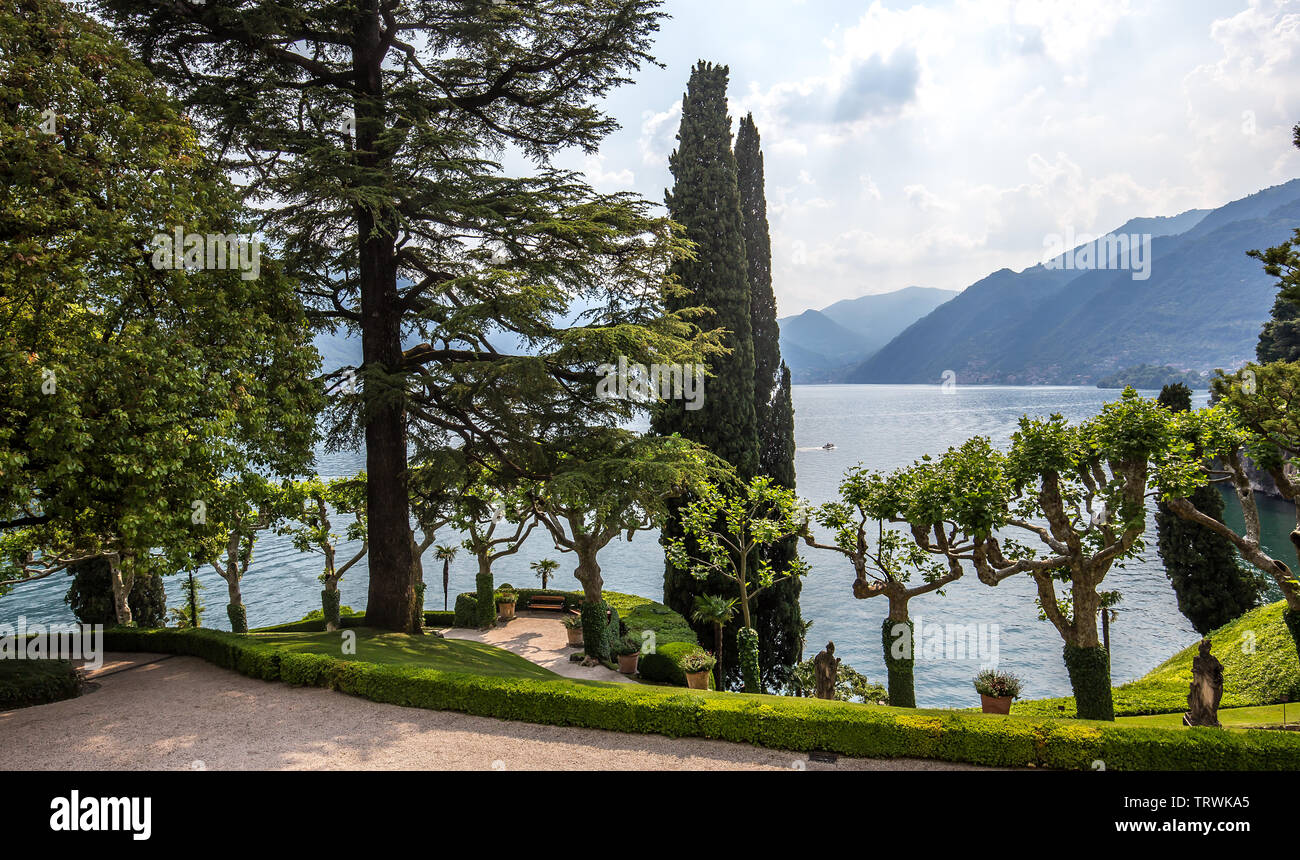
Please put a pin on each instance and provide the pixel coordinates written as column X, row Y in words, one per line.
column 824, row 345
column 1201, row 308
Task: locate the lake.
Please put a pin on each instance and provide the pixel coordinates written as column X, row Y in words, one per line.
column 883, row 426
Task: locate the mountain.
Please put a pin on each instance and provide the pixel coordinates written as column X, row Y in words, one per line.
column 1201, row 307
column 821, row 346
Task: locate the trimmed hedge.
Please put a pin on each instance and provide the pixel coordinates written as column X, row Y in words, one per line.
column 796, row 724
column 36, row 682
column 432, row 618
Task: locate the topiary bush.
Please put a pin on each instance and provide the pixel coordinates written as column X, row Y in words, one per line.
column 747, row 649
column 24, row 683
column 484, row 602
column 1089, row 670
column 238, row 615
column 901, row 669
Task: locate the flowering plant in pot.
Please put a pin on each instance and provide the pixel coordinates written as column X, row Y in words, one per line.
column 996, row 690
column 628, row 650
column 697, row 665
column 573, row 627
column 506, row 600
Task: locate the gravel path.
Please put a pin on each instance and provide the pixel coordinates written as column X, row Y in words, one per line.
column 182, row 713
column 541, row 638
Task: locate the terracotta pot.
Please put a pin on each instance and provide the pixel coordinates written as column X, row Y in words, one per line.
column 506, row 610
column 627, row 663
column 995, row 705
column 575, row 636
column 697, row 680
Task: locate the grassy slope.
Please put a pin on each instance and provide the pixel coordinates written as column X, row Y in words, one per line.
column 430, row 652
column 1260, row 667
column 1265, row 715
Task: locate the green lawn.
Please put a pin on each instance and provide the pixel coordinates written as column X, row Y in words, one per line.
column 1241, row 718
column 1260, row 667
column 431, row 652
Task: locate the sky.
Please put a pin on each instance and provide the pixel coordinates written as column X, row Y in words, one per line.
column 931, row 144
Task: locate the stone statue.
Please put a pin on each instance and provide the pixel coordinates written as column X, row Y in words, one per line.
column 1206, row 689
column 827, row 667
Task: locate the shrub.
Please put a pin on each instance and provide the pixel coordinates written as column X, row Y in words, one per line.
column 698, row 661
column 627, row 646
column 36, row 682
column 572, row 622
column 997, row 685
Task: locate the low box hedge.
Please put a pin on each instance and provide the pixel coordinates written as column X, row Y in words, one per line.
column 432, row 618
column 795, row 724
column 24, row 683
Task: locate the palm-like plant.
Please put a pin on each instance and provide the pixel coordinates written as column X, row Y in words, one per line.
column 710, row 609
column 446, row 554
column 545, row 569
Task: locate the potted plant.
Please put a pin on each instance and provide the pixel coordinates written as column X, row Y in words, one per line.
column 628, row 650
column 996, row 690
column 573, row 627
column 506, row 600
column 697, row 665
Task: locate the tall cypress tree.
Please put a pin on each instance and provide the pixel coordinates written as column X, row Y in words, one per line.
column 778, row 619
column 705, row 199
column 1212, row 587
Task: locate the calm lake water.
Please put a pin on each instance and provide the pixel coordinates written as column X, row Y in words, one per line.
column 883, row 426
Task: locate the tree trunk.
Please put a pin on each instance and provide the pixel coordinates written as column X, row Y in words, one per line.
column 235, row 610
column 121, row 590
column 388, row 604
column 595, row 634
column 417, row 589
column 900, row 652
column 446, row 582
column 486, row 593
column 1089, row 669
column 330, row 601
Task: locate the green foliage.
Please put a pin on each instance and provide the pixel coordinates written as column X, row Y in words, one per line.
column 238, row 615
column 1176, row 397
column 706, row 201
column 697, row 661
column 777, row 615
column 329, row 601
column 125, row 388
column 997, row 685
column 486, row 608
column 404, row 221
column 1259, row 668
column 36, row 682
column 850, row 684
column 595, row 635
column 90, row 596
column 900, row 662
column 1280, row 338
column 778, row 722
column 190, row 612
column 545, row 569
column 1211, row 585
column 747, row 648
column 1089, row 670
